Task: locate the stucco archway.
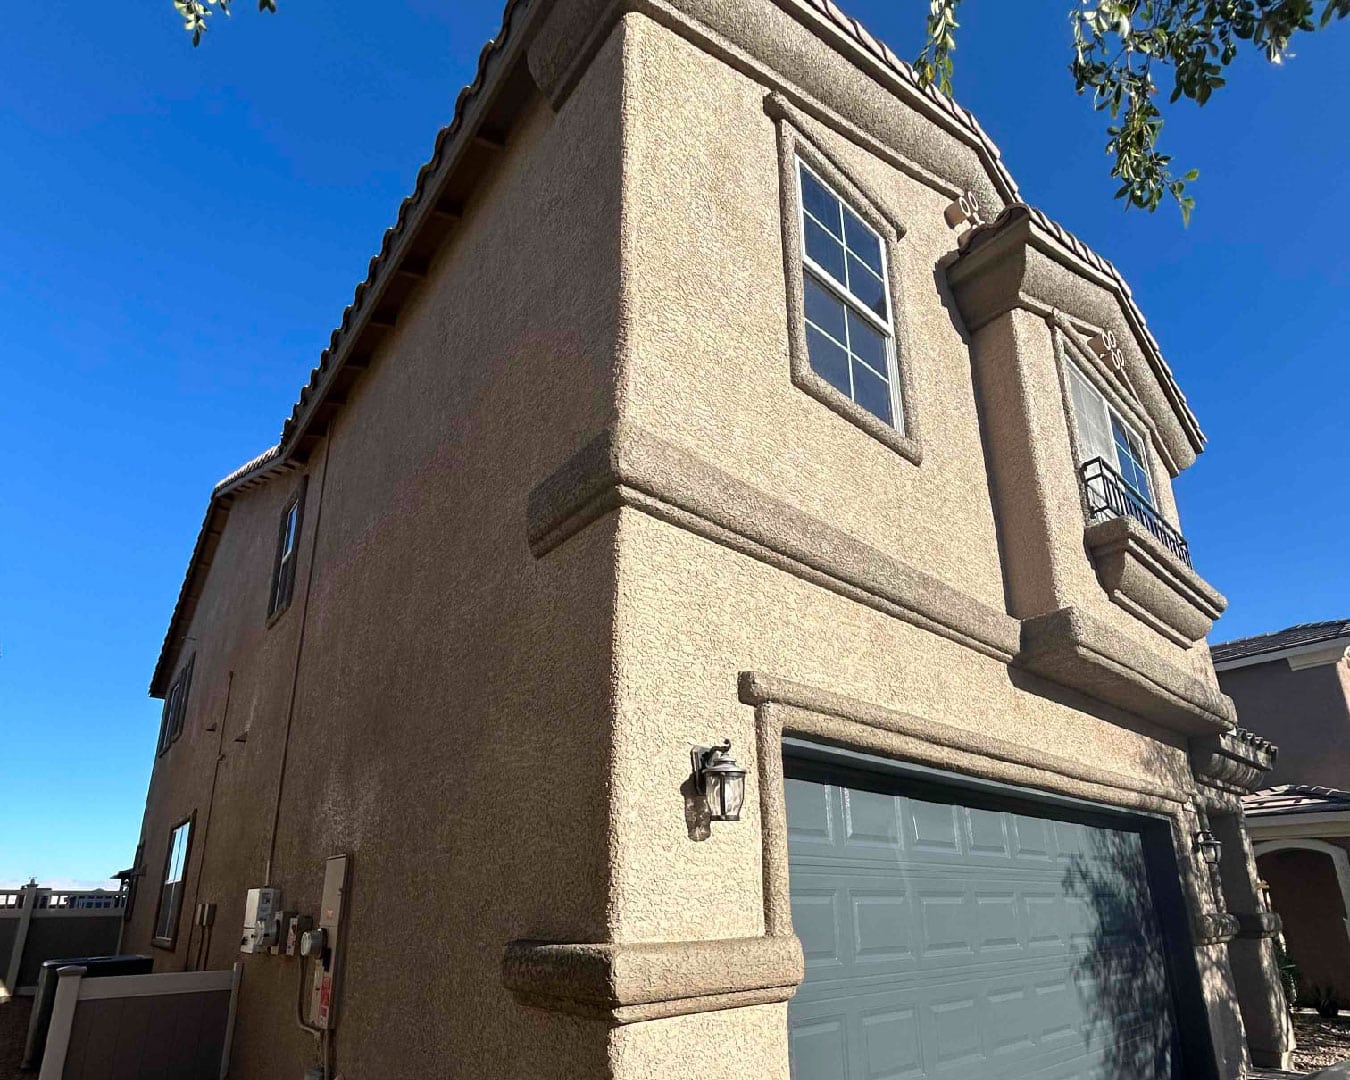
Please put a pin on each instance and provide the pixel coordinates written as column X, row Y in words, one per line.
column 1307, row 879
column 1340, row 859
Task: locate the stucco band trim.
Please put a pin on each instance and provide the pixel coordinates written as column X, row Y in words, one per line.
column 625, row 983
column 631, row 467
column 784, row 708
column 1073, row 649
column 1140, row 575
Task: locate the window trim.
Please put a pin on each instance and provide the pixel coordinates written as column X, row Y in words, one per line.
column 170, row 942
column 793, row 147
column 172, row 721
column 1071, row 364
column 277, row 604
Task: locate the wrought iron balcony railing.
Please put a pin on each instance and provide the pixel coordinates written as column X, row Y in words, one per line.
column 1108, row 496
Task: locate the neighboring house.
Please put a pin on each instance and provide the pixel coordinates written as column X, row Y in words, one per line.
column 1293, row 686
column 714, row 384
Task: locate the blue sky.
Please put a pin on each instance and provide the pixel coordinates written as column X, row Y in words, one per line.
column 181, row 228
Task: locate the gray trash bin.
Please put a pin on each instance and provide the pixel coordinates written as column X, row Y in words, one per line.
column 95, row 967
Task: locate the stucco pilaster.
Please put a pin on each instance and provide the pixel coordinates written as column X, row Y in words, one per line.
column 1035, row 495
column 1256, row 975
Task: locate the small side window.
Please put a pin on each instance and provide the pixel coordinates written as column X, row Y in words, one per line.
column 288, row 554
column 175, row 707
column 171, row 888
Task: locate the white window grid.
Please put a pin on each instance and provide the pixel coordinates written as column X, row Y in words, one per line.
column 886, row 326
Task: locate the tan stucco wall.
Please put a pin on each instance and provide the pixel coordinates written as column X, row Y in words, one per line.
column 452, row 692
column 1306, row 713
column 705, row 366
column 706, row 345
column 500, row 737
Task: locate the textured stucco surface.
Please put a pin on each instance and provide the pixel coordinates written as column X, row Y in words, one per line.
column 452, row 693
column 494, row 716
column 1307, row 713
column 706, row 356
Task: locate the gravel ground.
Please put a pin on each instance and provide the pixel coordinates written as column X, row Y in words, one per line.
column 1320, row 1042
column 13, row 1032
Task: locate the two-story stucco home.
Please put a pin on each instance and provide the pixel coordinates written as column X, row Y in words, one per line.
column 714, row 386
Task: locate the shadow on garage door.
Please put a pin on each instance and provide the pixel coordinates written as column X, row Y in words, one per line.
column 956, row 929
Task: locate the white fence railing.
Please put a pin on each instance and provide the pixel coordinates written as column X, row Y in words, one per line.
column 20, row 908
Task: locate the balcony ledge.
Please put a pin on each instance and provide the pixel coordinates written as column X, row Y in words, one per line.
column 1142, row 576
column 1073, row 649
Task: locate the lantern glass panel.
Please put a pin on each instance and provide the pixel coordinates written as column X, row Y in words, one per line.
column 733, row 797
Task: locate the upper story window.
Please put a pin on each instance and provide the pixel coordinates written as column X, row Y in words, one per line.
column 1113, row 461
column 1103, row 433
column 845, row 319
column 850, row 333
column 171, row 888
column 288, row 553
column 175, row 708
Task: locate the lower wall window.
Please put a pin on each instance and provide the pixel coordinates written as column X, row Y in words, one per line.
column 171, row 891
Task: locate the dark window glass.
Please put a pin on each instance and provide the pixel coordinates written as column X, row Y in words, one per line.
column 821, row 204
column 872, row 392
column 825, row 251
column 866, row 344
column 829, row 361
column 288, row 553
column 867, row 287
column 175, row 707
column 1133, row 461
column 823, row 309
column 863, row 242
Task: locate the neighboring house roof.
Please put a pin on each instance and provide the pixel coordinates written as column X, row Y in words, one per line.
column 1292, row 637
column 417, row 209
column 1296, row 799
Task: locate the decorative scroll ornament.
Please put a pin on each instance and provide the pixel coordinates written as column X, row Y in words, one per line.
column 965, row 210
column 1107, row 347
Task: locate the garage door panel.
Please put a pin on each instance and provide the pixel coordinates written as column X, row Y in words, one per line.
column 946, row 942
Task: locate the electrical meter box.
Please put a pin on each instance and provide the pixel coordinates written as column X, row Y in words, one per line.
column 261, row 906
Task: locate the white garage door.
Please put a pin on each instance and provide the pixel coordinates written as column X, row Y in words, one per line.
column 949, row 942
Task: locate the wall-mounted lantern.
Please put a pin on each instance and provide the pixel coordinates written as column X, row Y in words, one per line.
column 1209, row 848
column 719, row 780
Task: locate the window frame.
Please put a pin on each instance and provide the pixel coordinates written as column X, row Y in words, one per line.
column 173, row 716
column 1090, row 379
column 285, row 563
column 796, row 152
column 158, row 940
